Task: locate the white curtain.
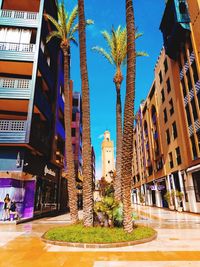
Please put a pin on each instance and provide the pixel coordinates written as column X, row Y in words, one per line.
column 13, row 36
column 3, row 32
column 25, row 37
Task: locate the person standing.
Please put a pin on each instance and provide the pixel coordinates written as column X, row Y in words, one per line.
column 6, row 208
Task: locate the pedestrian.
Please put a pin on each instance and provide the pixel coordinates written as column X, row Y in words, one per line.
column 6, row 208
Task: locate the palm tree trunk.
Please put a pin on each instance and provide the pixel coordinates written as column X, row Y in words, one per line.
column 87, row 152
column 127, row 145
column 117, row 179
column 69, row 157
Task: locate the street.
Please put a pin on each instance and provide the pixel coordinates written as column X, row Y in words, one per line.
column 177, row 244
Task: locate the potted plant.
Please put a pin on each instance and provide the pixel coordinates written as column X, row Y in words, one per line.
column 169, row 198
column 142, row 198
column 179, row 196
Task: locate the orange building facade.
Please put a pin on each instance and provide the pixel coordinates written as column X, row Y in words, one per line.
column 166, row 156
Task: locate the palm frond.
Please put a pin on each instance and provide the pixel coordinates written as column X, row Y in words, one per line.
column 108, row 38
column 89, row 22
column 72, row 19
column 138, row 34
column 53, row 34
column 141, row 54
column 103, row 53
column 54, row 22
column 73, row 40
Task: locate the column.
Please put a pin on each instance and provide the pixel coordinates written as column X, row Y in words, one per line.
column 174, row 188
column 182, row 189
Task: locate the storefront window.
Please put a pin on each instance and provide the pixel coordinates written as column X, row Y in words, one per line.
column 45, row 195
column 196, row 182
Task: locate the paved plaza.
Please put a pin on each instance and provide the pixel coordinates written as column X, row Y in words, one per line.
column 177, row 244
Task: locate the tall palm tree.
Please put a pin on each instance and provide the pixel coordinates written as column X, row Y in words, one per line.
column 117, row 45
column 87, row 152
column 65, row 28
column 127, row 143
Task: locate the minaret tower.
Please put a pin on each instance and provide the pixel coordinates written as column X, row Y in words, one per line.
column 108, row 164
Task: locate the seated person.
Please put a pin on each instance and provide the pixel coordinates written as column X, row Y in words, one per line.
column 13, row 210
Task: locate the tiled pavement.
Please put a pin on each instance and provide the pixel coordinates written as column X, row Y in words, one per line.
column 178, row 244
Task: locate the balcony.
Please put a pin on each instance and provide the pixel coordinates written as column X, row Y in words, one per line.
column 15, row 88
column 14, row 51
column 12, row 131
column 175, row 26
column 19, row 18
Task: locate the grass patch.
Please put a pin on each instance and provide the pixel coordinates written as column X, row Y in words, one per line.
column 79, row 234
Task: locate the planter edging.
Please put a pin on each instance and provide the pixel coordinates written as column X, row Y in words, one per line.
column 101, row 245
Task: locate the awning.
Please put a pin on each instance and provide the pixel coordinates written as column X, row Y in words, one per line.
column 193, row 169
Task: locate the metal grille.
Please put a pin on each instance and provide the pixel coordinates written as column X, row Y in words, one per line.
column 18, row 14
column 191, row 130
column 191, row 94
column 30, row 48
column 14, row 83
column 197, row 125
column 192, row 57
column 186, row 100
column 181, row 75
column 197, row 86
column 9, row 125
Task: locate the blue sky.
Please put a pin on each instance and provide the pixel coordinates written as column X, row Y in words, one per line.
column 105, row 13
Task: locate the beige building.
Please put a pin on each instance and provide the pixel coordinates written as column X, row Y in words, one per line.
column 108, row 164
column 167, row 129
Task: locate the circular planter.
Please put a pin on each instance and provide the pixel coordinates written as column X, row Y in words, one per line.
column 99, row 245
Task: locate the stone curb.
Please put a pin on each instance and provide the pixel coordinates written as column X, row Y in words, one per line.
column 102, row 245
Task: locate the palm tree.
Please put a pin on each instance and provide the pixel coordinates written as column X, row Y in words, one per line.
column 117, row 44
column 65, row 28
column 127, row 143
column 87, row 152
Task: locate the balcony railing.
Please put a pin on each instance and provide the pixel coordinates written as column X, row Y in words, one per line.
column 15, row 88
column 12, row 131
column 17, row 47
column 18, row 18
column 15, row 51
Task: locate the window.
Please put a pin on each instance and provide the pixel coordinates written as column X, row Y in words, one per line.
column 73, row 116
column 73, row 132
column 195, row 73
column 171, row 111
column 108, row 161
column 166, row 65
column 188, row 115
column 174, row 130
column 168, row 136
column 194, row 110
column 171, row 164
column 168, row 86
column 183, row 88
column 189, row 81
column 193, row 145
column 198, row 96
column 184, row 54
column 198, row 137
column 182, row 8
column 196, row 182
column 75, row 102
column 162, row 95
column 165, row 115
column 178, row 156
column 160, row 76
column 190, row 46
